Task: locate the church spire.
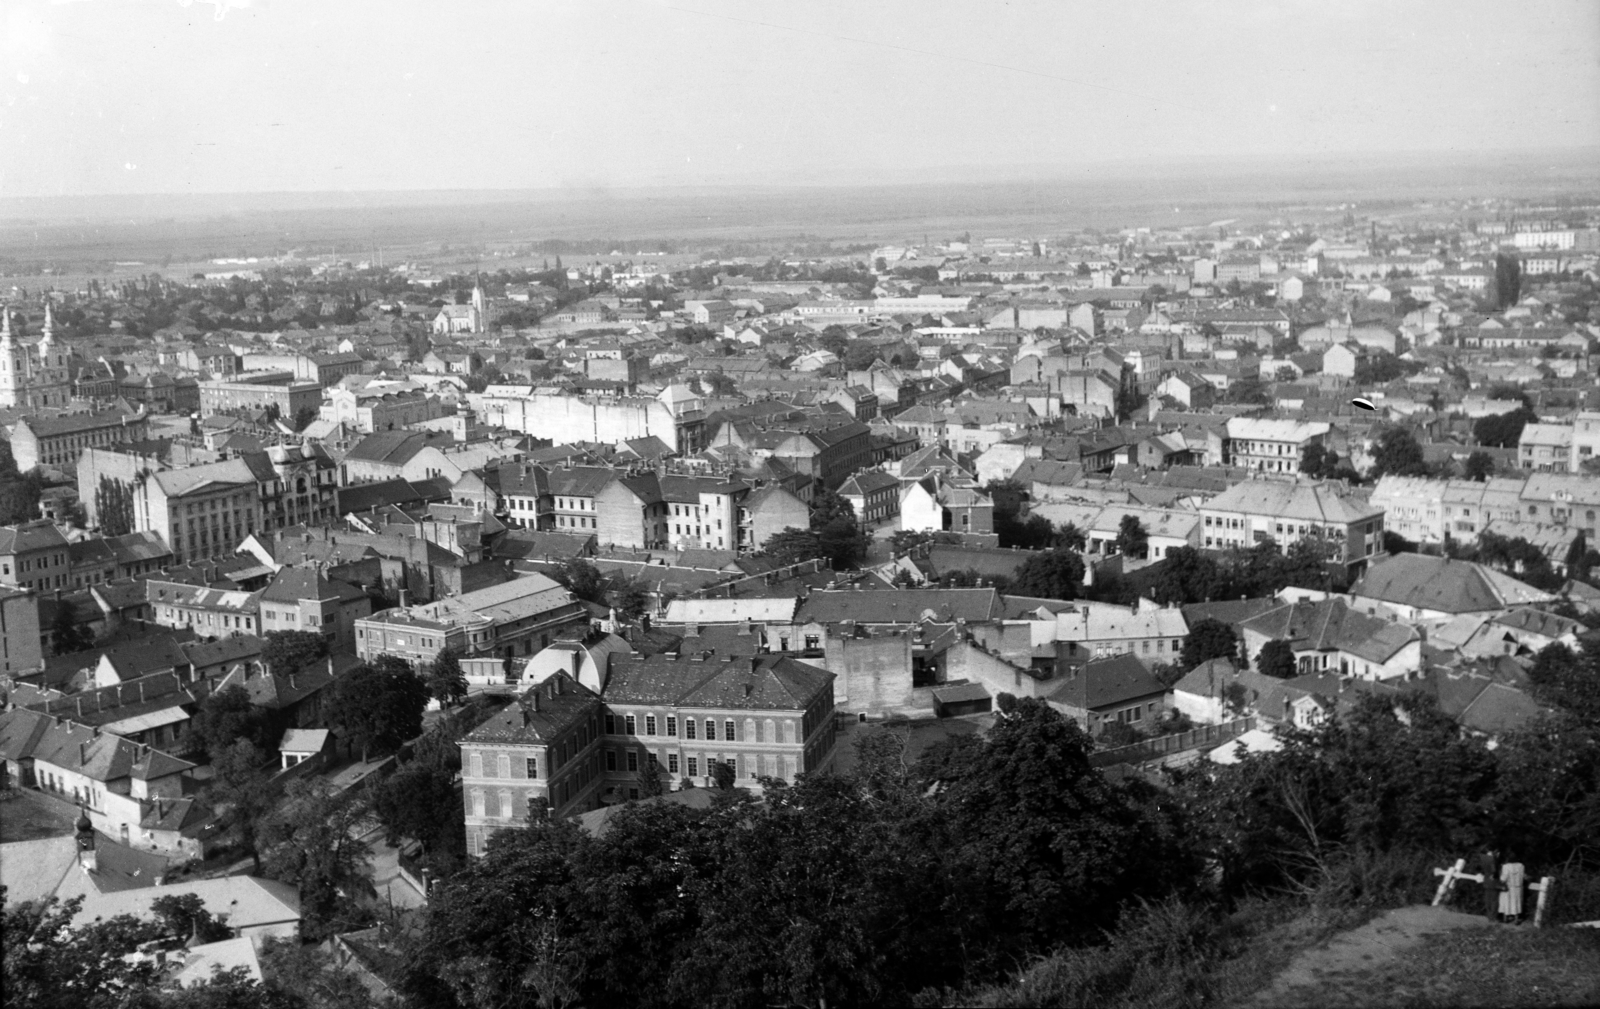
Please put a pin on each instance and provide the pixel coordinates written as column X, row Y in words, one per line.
column 49, row 320
column 5, row 323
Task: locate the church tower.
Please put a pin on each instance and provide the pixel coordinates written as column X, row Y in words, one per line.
column 48, row 384
column 13, row 366
column 480, row 308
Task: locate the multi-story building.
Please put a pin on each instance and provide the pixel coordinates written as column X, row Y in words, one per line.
column 1546, row 448
column 875, row 496
column 1273, row 446
column 33, row 375
column 202, row 511
column 301, row 599
column 515, row 618
column 258, row 391
column 34, row 555
column 541, row 751
column 59, row 441
column 210, row 613
column 1251, row 512
column 380, row 408
column 574, row 494
column 762, row 716
column 704, row 511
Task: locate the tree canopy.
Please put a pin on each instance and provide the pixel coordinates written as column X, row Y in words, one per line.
column 377, row 705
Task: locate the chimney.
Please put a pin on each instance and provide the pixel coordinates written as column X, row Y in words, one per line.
column 83, row 754
column 533, row 700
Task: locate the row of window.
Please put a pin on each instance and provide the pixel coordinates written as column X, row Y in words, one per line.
column 692, row 727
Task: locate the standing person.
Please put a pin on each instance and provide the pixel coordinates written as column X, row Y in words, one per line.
column 1512, row 877
column 1489, row 867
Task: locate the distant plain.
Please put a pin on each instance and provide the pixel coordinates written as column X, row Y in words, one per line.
column 87, row 234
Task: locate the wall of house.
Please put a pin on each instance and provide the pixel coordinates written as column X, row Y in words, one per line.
column 874, row 672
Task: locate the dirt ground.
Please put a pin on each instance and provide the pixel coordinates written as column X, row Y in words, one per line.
column 1316, row 974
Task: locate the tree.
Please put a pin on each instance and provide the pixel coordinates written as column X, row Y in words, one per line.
column 905, row 541
column 185, row 916
column 792, row 546
column 1568, row 680
column 288, row 652
column 1070, row 537
column 113, row 504
column 1397, row 453
column 66, row 634
column 49, row 963
column 312, row 840
column 227, row 716
column 1186, row 576
column 446, row 682
column 1503, row 430
column 1054, row 574
column 583, row 579
column 420, row 801
column 1276, row 659
column 238, row 790
column 1132, row 540
column 839, row 538
column 1209, row 638
column 1317, row 461
column 377, row 704
column 1480, row 465
column 1575, row 556
column 1507, row 280
column 649, row 777
column 304, row 416
column 722, row 773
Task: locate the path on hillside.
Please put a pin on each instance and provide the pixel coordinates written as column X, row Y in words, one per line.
column 1360, row 949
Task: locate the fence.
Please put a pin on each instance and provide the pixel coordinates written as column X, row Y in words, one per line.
column 1178, row 742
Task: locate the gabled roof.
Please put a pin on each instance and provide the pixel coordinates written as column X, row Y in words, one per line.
column 1106, row 682
column 540, row 715
column 1440, row 583
column 41, row 534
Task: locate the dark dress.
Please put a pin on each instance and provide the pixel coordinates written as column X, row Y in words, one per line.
column 1488, row 865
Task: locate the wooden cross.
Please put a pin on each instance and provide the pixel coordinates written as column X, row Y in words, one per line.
column 1454, row 873
column 1544, row 886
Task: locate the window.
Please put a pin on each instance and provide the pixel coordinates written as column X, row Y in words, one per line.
column 672, row 725
column 694, row 767
column 727, row 729
column 611, row 725
column 533, row 767
column 632, row 727
column 672, row 763
column 478, row 803
column 504, row 770
column 633, row 760
column 711, row 729
column 477, row 765
column 611, row 760
column 649, row 725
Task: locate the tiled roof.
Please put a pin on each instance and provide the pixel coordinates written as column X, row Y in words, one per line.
column 540, row 715
column 903, row 606
column 707, row 681
column 38, row 535
column 1439, row 583
column 1108, row 681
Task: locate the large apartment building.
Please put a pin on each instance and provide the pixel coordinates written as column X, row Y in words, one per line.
column 543, row 749
column 679, row 716
column 1251, row 512
column 518, row 617
column 59, row 441
column 1273, row 446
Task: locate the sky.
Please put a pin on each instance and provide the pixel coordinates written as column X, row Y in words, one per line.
column 238, row 96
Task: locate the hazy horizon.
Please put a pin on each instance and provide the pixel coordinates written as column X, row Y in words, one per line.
column 99, row 97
